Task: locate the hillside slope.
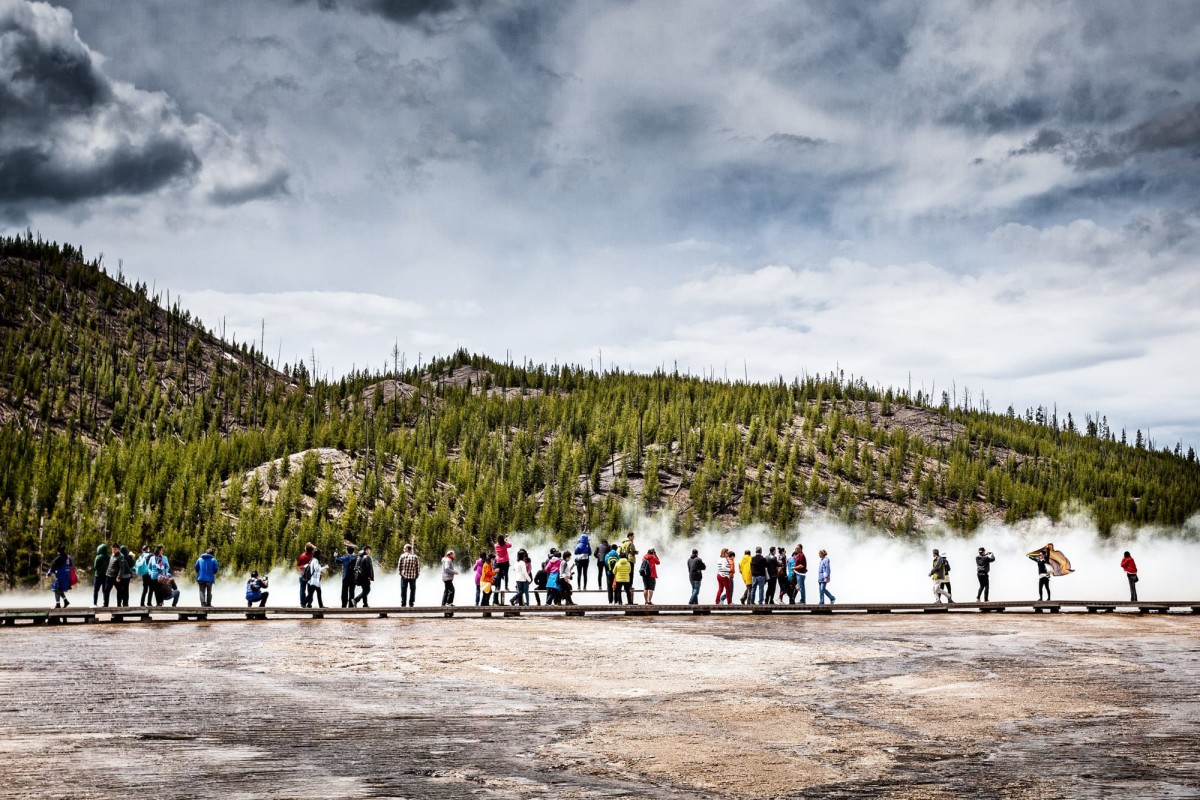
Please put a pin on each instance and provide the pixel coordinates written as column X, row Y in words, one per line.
column 124, row 420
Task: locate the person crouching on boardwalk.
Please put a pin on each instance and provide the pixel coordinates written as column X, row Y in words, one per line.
column 256, row 590
column 823, row 575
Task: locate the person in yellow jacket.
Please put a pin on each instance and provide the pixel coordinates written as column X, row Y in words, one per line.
column 747, row 578
column 623, row 580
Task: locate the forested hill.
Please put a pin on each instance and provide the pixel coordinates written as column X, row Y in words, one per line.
column 123, row 419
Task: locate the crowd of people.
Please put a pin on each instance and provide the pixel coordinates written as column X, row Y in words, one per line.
column 502, row 577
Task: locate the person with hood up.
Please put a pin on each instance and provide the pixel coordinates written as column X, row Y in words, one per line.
column 823, row 576
column 60, row 570
column 747, row 576
column 120, row 573
column 623, row 580
column 100, row 581
column 610, row 564
column 1130, row 568
column 649, row 570
column 449, row 570
column 696, row 567
column 206, row 567
column 364, row 575
column 583, row 557
column 347, row 562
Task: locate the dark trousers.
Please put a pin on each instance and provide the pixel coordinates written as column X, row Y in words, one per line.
column 314, row 591
column 608, row 584
column 261, row 600
column 303, row 593
column 581, row 569
column 1044, row 585
column 147, row 590
column 983, row 587
column 1132, row 576
column 486, row 598
column 408, row 592
column 347, row 593
column 627, row 588
column 122, row 593
column 501, row 576
column 101, row 583
column 448, row 593
column 362, row 598
column 205, row 593
column 771, row 581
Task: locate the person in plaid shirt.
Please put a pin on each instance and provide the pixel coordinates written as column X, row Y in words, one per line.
column 410, row 567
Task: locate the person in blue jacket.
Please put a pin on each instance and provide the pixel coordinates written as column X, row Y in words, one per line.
column 823, row 578
column 583, row 557
column 256, row 590
column 60, row 568
column 160, row 575
column 206, row 567
column 347, row 564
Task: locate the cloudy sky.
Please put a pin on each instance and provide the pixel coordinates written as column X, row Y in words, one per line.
column 1000, row 196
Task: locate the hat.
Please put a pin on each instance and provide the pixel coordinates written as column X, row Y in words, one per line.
column 449, row 552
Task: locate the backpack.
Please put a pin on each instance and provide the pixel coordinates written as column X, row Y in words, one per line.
column 307, row 574
column 946, row 564
column 644, row 569
column 142, row 565
column 358, row 570
column 539, row 579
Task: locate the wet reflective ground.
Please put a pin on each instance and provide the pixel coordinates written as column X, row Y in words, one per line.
column 1071, row 706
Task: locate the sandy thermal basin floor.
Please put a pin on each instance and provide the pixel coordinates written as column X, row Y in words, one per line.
column 1069, row 706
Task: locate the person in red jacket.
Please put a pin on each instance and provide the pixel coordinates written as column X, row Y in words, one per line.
column 1130, row 568
column 649, row 575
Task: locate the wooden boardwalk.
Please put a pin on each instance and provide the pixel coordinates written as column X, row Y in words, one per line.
column 162, row 614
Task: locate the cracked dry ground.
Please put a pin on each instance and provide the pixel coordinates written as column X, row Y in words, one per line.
column 1069, row 706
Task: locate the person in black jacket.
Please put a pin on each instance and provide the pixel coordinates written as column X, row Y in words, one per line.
column 983, row 566
column 364, row 574
column 772, row 576
column 696, row 569
column 758, row 577
column 1043, row 568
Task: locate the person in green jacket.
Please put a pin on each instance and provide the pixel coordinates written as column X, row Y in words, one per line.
column 623, row 580
column 100, row 581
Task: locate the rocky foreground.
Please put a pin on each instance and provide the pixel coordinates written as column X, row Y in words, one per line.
column 1069, row 706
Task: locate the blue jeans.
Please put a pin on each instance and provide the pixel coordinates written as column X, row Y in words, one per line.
column 800, row 588
column 825, row 593
column 303, row 593
column 522, row 593
column 408, row 592
column 758, row 590
column 695, row 593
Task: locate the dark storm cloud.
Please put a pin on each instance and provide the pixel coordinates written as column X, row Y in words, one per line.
column 1176, row 128
column 991, row 116
column 400, row 11
column 793, row 142
column 67, row 134
column 271, row 185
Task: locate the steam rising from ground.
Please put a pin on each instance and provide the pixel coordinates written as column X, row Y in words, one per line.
column 868, row 565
